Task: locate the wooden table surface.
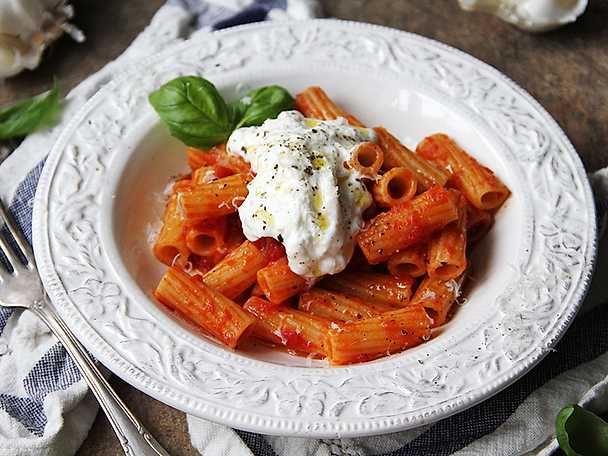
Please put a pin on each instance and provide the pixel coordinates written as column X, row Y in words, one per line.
column 566, row 70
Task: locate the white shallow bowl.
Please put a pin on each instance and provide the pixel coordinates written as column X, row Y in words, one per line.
column 100, row 197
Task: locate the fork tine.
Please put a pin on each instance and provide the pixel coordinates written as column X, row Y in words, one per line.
column 9, row 254
column 26, row 250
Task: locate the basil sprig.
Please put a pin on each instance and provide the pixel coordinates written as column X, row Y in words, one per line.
column 581, row 432
column 195, row 112
column 28, row 115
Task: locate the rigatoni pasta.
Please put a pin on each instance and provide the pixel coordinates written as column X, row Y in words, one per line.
column 171, row 244
column 447, row 249
column 479, row 184
column 407, row 224
column 367, row 159
column 372, row 287
column 397, row 155
column 479, row 223
column 396, row 186
column 207, row 238
column 405, row 269
column 314, row 102
column 410, row 262
column 371, row 338
column 437, row 296
column 204, row 306
column 295, row 330
column 237, row 271
column 338, row 306
column 278, row 283
column 217, row 198
column 217, row 156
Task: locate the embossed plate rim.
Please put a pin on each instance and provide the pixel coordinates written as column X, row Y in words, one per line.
column 304, row 425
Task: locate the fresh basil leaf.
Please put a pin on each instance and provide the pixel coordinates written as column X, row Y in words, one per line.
column 261, row 104
column 237, row 111
column 29, row 115
column 194, row 111
column 581, row 432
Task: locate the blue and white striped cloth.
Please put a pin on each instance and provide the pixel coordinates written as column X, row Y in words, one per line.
column 44, row 407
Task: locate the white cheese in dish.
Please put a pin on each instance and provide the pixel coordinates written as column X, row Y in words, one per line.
column 302, row 194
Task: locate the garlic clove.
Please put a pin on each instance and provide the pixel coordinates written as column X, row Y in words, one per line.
column 530, row 15
column 27, row 27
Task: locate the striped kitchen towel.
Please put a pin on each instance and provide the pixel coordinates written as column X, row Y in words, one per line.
column 44, row 409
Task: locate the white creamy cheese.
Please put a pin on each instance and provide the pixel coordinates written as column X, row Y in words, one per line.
column 302, row 194
column 530, row 15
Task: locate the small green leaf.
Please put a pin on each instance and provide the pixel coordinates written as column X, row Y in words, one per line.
column 581, row 432
column 261, row 104
column 194, row 111
column 29, row 115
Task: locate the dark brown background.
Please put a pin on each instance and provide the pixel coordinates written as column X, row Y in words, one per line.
column 566, row 70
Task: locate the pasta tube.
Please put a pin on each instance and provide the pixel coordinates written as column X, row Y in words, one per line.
column 219, row 156
column 396, row 186
column 407, row 224
column 436, row 296
column 293, row 329
column 171, row 244
column 237, row 271
column 207, row 237
column 338, row 307
column 477, row 183
column 212, row 311
column 478, row 223
column 367, row 159
column 447, row 249
column 278, row 282
column 372, row 287
column 314, row 102
column 397, row 155
column 217, row 198
column 410, row 262
column 372, row 338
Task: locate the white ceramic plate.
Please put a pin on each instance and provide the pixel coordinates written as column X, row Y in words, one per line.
column 99, row 198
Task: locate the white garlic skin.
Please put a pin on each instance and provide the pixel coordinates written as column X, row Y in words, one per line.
column 530, row 15
column 27, row 27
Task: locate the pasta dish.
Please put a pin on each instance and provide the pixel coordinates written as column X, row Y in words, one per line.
column 304, row 229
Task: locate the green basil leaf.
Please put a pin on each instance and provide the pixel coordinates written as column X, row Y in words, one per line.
column 194, row 111
column 29, row 115
column 237, row 111
column 261, row 104
column 581, row 432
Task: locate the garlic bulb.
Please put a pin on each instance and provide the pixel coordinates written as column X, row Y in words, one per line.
column 27, row 27
column 530, row 15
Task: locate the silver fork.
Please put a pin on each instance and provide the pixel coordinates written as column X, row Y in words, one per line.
column 22, row 288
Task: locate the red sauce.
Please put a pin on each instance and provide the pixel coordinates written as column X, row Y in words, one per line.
column 432, row 149
column 222, row 171
column 271, row 249
column 294, row 340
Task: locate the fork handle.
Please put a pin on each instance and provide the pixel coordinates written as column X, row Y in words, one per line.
column 133, row 436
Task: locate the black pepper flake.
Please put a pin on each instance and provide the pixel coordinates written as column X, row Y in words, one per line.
column 280, row 238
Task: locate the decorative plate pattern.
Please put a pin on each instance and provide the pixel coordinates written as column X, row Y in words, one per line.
column 404, row 391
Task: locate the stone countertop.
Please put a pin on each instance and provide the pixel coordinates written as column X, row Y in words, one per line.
column 566, row 70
